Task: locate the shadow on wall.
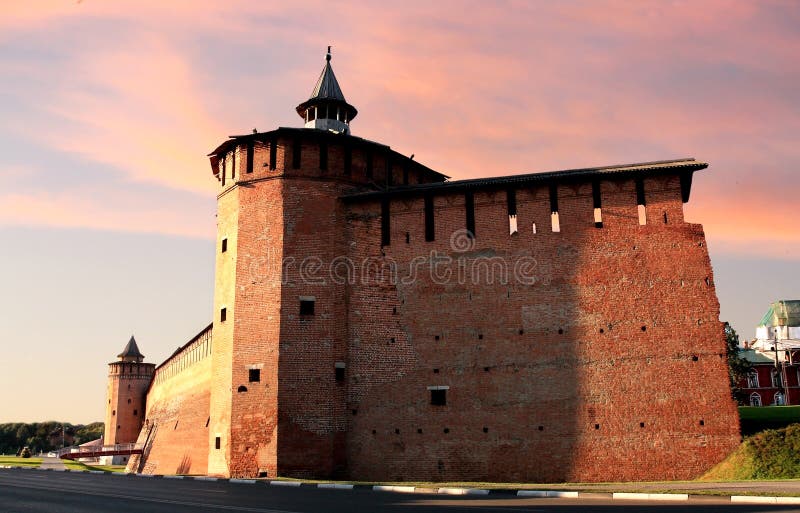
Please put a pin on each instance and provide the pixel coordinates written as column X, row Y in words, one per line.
column 138, row 462
column 575, row 352
column 185, row 465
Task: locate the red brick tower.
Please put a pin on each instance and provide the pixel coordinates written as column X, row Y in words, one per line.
column 280, row 323
column 128, row 379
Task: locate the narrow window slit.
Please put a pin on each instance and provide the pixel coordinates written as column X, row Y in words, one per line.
column 273, row 154
column 640, row 202
column 469, row 206
column 297, row 148
column 385, row 222
column 512, row 225
column 429, row 219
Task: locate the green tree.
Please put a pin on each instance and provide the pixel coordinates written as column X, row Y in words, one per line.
column 738, row 367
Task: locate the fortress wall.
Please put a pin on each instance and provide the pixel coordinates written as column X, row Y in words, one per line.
column 660, row 195
column 550, row 374
column 619, row 204
column 175, row 432
column 225, row 275
column 250, row 276
column 312, row 416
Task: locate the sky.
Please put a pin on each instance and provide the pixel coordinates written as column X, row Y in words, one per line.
column 109, row 108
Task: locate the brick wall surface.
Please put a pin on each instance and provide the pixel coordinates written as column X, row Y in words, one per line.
column 609, row 365
column 175, row 430
column 225, row 276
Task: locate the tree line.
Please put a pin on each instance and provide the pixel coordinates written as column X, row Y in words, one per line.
column 46, row 436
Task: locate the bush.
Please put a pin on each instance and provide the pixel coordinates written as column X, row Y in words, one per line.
column 25, row 452
column 770, row 454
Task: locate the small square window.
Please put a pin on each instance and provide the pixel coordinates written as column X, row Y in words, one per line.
column 223, row 314
column 306, row 307
column 217, row 443
column 339, row 373
column 224, row 245
column 254, row 375
column 439, row 397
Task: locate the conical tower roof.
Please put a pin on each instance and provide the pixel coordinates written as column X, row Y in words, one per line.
column 326, row 108
column 327, row 85
column 131, row 352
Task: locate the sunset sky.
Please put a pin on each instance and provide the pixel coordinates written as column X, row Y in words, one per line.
column 108, row 109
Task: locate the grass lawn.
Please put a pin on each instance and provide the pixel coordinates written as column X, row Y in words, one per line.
column 20, row 462
column 779, row 413
column 77, row 465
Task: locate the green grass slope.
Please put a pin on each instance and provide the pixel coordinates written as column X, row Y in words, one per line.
column 771, row 454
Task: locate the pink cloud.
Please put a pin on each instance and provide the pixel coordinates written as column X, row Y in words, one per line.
column 473, row 89
column 113, row 213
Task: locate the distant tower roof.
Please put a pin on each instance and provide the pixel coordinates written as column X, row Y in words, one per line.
column 131, row 352
column 785, row 312
column 327, row 109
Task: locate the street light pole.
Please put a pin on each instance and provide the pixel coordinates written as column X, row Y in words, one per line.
column 784, row 386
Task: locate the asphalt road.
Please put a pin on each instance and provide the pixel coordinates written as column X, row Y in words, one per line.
column 32, row 491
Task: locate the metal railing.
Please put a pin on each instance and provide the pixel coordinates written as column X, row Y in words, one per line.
column 98, row 450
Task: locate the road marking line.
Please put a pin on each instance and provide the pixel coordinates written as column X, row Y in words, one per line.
column 285, row 483
column 335, row 486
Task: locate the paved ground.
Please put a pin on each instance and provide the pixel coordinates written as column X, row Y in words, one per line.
column 36, row 491
column 52, row 463
column 788, row 487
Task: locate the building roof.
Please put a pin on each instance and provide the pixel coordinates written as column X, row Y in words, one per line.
column 327, row 85
column 685, row 166
column 754, row 356
column 131, row 350
column 785, row 312
column 327, row 91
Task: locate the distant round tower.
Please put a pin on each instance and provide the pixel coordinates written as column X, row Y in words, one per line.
column 128, row 379
column 327, row 109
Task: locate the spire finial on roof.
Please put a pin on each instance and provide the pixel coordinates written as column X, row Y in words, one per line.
column 327, row 108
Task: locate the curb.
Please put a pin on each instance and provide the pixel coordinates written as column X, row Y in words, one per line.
column 559, row 494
